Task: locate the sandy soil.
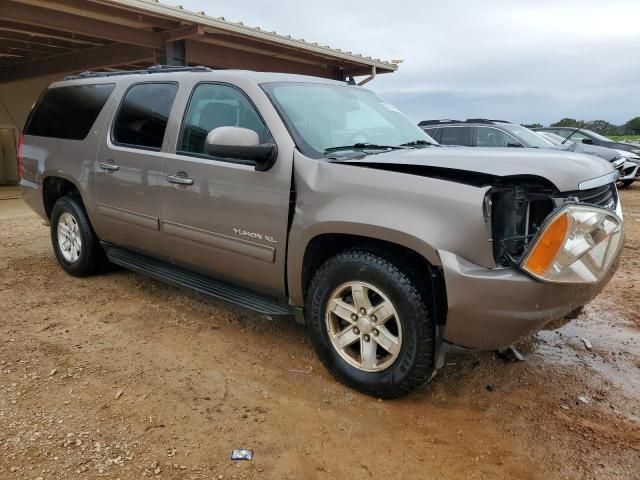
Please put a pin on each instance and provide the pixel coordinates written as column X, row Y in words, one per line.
column 123, row 377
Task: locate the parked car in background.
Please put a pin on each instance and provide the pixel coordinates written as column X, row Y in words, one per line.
column 303, row 196
column 477, row 132
column 577, row 134
column 626, row 165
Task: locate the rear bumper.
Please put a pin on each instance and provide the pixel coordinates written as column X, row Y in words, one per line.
column 32, row 195
column 491, row 309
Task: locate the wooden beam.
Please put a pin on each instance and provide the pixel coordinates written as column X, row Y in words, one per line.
column 88, row 59
column 107, row 12
column 36, row 41
column 199, row 53
column 28, row 46
column 70, row 38
column 183, row 33
column 66, row 22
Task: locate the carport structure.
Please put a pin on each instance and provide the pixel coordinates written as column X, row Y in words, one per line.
column 44, row 40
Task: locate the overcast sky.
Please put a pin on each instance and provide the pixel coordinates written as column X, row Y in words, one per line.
column 524, row 61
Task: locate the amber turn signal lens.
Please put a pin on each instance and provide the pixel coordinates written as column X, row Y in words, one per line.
column 547, row 247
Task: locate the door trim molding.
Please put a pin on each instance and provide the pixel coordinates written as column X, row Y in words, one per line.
column 218, row 240
column 139, row 219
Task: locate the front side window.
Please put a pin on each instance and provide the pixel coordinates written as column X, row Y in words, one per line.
column 323, row 117
column 213, row 106
column 144, row 114
column 492, row 137
column 456, row 136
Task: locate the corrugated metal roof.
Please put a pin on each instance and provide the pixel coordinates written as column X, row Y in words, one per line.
column 221, row 24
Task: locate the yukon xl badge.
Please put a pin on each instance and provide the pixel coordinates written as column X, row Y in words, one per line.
column 253, row 235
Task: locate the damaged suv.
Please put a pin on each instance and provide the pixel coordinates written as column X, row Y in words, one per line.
column 293, row 195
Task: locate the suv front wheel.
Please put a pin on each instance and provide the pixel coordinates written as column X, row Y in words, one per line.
column 370, row 324
column 75, row 244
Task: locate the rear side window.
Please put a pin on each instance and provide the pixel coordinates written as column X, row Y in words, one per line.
column 68, row 112
column 456, row 136
column 142, row 118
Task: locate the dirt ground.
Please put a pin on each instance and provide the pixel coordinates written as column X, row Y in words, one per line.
column 120, row 376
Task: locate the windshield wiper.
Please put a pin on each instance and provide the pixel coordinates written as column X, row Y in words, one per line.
column 363, row 146
column 417, row 143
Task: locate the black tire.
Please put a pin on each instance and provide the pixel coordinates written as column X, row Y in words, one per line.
column 92, row 258
column 627, row 183
column 415, row 363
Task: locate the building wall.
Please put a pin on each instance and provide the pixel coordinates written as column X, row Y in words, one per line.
column 17, row 98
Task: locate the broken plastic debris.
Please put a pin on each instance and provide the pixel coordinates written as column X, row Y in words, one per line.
column 587, row 343
column 241, row 454
column 583, row 399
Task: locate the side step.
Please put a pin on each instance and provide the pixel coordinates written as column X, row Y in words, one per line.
column 182, row 278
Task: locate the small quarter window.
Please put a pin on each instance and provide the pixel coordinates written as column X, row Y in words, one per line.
column 213, row 106
column 143, row 115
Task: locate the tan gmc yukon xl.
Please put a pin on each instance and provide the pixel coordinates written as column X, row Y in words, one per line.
column 293, row 195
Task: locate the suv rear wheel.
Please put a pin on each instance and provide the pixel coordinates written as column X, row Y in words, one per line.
column 75, row 244
column 370, row 324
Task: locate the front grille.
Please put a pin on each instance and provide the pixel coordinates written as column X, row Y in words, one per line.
column 605, row 196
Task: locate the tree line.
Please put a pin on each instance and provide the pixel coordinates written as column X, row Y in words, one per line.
column 632, row 127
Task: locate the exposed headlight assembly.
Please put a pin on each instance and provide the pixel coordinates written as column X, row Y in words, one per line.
column 577, row 245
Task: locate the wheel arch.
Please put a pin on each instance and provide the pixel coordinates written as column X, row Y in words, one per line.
column 322, row 246
column 55, row 186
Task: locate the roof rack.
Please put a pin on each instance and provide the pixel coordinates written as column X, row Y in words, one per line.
column 424, row 123
column 149, row 70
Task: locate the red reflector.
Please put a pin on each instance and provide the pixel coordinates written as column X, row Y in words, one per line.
column 19, row 155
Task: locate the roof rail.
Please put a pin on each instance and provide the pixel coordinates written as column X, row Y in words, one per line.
column 149, row 70
column 437, row 122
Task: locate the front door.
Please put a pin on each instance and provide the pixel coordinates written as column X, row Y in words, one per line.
column 129, row 169
column 220, row 217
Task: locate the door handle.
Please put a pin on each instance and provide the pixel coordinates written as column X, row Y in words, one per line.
column 109, row 167
column 180, row 179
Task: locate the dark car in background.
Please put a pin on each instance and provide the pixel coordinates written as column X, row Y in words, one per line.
column 477, row 132
column 577, row 134
column 626, row 163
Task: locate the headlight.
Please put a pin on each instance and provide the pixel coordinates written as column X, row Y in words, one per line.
column 578, row 245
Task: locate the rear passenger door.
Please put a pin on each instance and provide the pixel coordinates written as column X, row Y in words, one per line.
column 128, row 169
column 222, row 217
column 456, row 136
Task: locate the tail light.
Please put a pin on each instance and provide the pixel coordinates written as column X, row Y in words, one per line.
column 19, row 154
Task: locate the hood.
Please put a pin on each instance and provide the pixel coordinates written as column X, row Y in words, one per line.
column 608, row 154
column 566, row 170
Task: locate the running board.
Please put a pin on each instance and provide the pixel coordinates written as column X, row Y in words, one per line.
column 182, row 278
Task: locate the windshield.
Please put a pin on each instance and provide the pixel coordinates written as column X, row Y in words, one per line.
column 322, row 118
column 555, row 139
column 530, row 138
column 602, row 138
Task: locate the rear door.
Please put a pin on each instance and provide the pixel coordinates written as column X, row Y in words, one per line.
column 220, row 217
column 129, row 168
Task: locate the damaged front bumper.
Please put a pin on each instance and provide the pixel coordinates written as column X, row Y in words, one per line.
column 489, row 309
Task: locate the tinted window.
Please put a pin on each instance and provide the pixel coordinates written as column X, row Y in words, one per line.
column 456, row 136
column 68, row 112
column 143, row 115
column 492, row 137
column 433, row 133
column 214, row 106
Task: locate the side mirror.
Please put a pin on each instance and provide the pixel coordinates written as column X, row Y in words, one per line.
column 238, row 143
column 587, row 141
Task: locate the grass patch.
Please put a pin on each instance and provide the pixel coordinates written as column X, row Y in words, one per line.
column 621, row 138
